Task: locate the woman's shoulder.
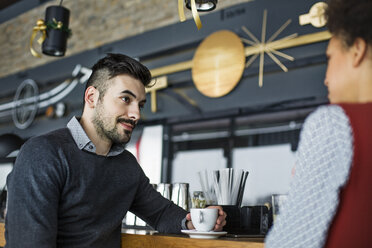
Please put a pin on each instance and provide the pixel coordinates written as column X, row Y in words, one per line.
column 328, row 112
column 328, row 117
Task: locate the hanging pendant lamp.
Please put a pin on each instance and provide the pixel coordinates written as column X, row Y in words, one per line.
column 53, row 32
column 195, row 6
column 57, row 19
column 202, row 5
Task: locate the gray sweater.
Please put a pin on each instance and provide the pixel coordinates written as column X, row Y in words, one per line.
column 61, row 196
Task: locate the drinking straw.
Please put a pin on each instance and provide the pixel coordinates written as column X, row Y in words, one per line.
column 216, row 176
column 238, row 174
column 243, row 188
column 211, row 191
column 240, row 189
column 203, row 186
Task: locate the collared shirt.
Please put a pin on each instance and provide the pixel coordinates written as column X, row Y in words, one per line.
column 84, row 143
column 323, row 164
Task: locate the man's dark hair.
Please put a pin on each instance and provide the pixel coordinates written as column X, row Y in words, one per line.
column 114, row 65
column 349, row 19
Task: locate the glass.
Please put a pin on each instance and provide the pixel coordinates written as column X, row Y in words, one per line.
column 180, row 195
column 277, row 203
column 198, row 199
column 165, row 189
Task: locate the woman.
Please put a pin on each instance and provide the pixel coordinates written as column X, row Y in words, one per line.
column 329, row 203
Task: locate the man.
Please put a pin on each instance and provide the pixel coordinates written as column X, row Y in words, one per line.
column 73, row 186
column 329, row 203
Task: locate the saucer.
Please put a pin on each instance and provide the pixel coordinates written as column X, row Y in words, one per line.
column 203, row 235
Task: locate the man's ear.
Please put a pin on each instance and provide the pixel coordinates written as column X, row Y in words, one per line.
column 359, row 51
column 91, row 96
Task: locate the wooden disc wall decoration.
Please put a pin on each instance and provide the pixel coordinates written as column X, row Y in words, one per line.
column 218, row 63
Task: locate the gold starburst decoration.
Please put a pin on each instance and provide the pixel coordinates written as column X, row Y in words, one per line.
column 269, row 47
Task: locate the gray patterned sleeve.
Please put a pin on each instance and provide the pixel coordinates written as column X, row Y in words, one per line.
column 323, row 163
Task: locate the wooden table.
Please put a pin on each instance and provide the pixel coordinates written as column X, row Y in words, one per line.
column 148, row 239
column 139, row 239
column 2, row 234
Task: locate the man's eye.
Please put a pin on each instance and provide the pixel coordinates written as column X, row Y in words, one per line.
column 141, row 107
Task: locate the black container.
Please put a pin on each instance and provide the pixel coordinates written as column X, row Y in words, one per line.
column 56, row 40
column 250, row 220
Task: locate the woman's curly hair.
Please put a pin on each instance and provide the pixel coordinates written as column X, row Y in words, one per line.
column 349, row 19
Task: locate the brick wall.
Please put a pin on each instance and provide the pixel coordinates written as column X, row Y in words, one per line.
column 93, row 23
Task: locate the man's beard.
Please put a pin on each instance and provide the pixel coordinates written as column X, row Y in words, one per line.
column 104, row 131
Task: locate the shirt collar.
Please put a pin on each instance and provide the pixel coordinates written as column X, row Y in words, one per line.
column 84, row 143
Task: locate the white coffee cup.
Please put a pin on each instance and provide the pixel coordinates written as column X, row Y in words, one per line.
column 204, row 219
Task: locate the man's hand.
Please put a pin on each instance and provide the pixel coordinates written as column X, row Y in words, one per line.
column 220, row 223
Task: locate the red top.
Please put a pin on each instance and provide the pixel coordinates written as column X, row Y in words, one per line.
column 352, row 224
